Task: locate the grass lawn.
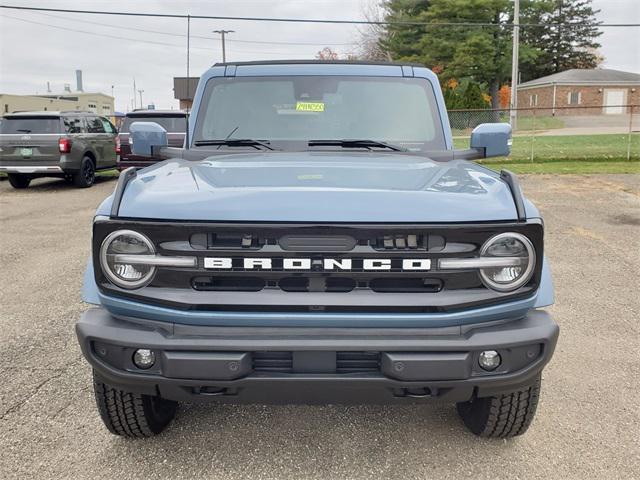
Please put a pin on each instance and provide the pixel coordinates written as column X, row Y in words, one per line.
column 528, row 123
column 595, row 148
column 567, row 166
column 525, row 124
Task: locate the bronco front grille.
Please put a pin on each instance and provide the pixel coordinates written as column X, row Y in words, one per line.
column 293, row 267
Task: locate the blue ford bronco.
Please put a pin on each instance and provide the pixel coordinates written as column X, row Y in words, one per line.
column 318, row 240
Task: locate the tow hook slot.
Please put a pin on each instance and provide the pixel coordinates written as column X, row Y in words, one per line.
column 214, row 391
column 414, row 392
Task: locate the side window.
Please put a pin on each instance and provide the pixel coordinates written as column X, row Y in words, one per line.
column 574, row 98
column 94, row 125
column 73, row 124
column 106, row 124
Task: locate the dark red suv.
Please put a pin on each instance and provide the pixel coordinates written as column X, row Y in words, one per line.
column 173, row 121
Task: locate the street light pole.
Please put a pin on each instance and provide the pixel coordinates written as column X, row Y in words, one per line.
column 140, row 92
column 222, row 34
column 514, row 64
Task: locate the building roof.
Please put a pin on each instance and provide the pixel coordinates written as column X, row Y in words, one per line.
column 576, row 76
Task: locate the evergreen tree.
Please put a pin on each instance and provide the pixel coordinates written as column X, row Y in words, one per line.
column 560, row 47
column 483, row 53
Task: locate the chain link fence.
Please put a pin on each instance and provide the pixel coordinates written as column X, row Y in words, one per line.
column 609, row 132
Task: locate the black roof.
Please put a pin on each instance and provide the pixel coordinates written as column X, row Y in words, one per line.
column 155, row 113
column 50, row 113
column 322, row 62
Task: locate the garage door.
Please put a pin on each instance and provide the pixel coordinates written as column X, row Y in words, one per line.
column 613, row 101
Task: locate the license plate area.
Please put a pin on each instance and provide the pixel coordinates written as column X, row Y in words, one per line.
column 26, row 152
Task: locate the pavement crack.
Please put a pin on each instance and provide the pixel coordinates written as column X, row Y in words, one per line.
column 18, row 405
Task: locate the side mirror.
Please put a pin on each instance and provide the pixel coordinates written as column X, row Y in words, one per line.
column 144, row 136
column 494, row 139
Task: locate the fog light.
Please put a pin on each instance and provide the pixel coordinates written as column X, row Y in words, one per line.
column 144, row 358
column 489, row 360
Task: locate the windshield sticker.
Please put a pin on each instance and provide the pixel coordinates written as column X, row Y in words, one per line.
column 310, row 106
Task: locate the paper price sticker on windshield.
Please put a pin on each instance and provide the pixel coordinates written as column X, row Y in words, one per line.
column 310, row 107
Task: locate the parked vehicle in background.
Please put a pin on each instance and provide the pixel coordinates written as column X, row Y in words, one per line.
column 173, row 121
column 70, row 145
column 320, row 240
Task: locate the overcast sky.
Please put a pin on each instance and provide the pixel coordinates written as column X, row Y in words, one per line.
column 39, row 47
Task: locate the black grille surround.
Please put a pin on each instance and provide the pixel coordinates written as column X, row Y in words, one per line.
column 357, row 290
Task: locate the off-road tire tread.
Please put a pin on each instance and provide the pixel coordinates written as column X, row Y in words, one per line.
column 125, row 413
column 502, row 416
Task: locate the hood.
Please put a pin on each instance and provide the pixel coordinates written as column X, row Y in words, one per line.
column 318, row 187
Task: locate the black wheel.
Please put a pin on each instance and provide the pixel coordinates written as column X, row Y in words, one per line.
column 19, row 181
column 132, row 415
column 502, row 416
column 87, row 174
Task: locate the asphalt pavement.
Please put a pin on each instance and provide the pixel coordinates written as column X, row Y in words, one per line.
column 588, row 420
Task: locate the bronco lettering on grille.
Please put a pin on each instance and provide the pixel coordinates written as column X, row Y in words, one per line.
column 317, row 264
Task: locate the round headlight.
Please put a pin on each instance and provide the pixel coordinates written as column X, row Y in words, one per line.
column 519, row 250
column 113, row 254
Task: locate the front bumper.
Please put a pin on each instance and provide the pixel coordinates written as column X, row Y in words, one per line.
column 316, row 365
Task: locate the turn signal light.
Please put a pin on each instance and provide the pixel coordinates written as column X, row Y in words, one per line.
column 118, row 144
column 64, row 145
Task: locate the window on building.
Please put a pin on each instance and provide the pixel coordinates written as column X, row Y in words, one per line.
column 574, row 98
column 94, row 125
column 92, row 107
column 533, row 100
column 106, row 109
column 6, row 108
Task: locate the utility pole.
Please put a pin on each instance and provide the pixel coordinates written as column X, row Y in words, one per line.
column 140, row 92
column 134, row 93
column 222, row 34
column 514, row 64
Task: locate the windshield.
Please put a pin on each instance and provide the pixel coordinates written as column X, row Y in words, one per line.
column 175, row 124
column 26, row 125
column 396, row 110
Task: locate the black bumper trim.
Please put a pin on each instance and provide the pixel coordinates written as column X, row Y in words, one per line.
column 442, row 363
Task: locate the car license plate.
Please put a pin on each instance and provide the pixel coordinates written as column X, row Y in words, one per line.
column 26, row 152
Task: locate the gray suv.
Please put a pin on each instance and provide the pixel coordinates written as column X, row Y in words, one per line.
column 70, row 145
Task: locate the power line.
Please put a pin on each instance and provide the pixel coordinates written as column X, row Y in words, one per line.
column 130, row 39
column 310, row 20
column 182, row 35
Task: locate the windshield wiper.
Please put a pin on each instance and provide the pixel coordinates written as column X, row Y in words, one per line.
column 236, row 142
column 356, row 143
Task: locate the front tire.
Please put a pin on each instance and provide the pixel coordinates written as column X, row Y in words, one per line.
column 132, row 415
column 87, row 174
column 19, row 181
column 502, row 416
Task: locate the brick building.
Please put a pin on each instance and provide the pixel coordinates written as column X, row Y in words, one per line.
column 604, row 91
